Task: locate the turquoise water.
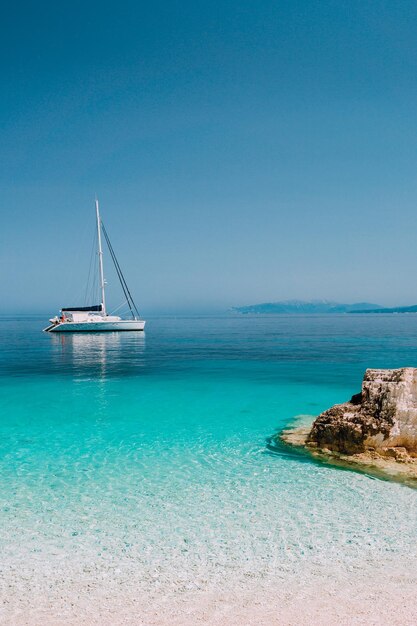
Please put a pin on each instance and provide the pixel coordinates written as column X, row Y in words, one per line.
column 145, row 457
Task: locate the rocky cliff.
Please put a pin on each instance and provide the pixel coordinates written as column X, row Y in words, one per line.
column 377, row 427
column 383, row 415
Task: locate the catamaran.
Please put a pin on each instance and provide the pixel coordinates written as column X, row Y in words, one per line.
column 94, row 318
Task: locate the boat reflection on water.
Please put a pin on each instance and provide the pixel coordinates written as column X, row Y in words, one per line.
column 99, row 355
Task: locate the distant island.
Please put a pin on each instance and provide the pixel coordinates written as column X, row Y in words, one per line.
column 303, row 307
column 292, row 307
column 397, row 309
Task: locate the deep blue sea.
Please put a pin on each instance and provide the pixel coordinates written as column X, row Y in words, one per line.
column 146, row 454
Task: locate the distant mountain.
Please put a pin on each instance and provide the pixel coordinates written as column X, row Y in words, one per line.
column 301, row 306
column 397, row 309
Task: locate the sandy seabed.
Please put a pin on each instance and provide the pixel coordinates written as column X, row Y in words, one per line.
column 374, row 595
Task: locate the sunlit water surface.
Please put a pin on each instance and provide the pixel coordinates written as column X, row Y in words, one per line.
column 147, row 453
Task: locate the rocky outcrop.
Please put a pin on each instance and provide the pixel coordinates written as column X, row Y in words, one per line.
column 383, row 415
column 376, row 429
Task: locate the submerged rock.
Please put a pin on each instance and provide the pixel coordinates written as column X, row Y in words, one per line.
column 383, row 415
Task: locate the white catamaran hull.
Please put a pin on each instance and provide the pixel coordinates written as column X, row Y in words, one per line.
column 96, row 327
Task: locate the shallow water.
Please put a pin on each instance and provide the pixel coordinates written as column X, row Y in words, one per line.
column 147, row 454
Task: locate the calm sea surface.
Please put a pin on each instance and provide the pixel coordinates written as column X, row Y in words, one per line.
column 149, row 452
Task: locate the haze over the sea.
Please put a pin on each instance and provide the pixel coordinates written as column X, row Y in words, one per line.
column 242, row 152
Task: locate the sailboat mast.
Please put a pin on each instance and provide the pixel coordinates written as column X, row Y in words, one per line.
column 100, row 260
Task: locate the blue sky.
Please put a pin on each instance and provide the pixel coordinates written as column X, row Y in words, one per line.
column 242, row 151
